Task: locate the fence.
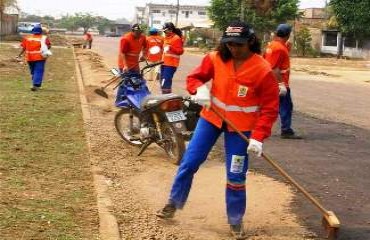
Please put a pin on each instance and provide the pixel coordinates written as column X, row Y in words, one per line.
column 8, row 24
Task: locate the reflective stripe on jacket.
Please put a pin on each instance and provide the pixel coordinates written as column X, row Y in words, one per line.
column 130, row 48
column 152, row 41
column 247, row 97
column 32, row 46
column 171, row 57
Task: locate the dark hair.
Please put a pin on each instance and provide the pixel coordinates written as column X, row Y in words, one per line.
column 171, row 26
column 254, row 45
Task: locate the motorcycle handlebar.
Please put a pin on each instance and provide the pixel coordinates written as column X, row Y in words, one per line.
column 150, row 66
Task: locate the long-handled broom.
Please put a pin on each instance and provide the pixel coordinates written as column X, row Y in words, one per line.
column 329, row 220
column 100, row 91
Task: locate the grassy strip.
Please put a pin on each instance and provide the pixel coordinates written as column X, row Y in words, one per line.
column 45, row 179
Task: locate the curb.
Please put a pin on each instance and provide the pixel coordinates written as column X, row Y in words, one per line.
column 108, row 226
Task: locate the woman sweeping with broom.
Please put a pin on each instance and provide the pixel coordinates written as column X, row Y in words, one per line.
column 245, row 91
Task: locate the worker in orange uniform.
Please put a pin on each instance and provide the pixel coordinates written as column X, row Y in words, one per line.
column 172, row 50
column 245, row 91
column 131, row 50
column 88, row 40
column 154, row 51
column 36, row 59
column 277, row 54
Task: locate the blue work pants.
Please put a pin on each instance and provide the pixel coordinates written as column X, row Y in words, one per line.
column 167, row 73
column 37, row 72
column 285, row 111
column 205, row 136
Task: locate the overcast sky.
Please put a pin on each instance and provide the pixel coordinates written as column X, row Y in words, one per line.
column 111, row 9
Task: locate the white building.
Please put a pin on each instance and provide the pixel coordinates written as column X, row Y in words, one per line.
column 155, row 15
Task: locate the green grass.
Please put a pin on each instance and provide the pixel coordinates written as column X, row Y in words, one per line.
column 45, row 179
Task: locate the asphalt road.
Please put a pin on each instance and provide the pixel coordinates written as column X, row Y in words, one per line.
column 332, row 161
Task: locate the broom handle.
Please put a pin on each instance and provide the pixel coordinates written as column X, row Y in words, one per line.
column 112, row 80
column 275, row 165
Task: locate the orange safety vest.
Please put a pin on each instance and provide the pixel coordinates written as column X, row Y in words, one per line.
column 87, row 37
column 277, row 54
column 130, row 48
column 234, row 94
column 152, row 41
column 172, row 57
column 32, row 46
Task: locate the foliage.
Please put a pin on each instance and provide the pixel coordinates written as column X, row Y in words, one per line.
column 263, row 17
column 303, row 41
column 353, row 16
column 68, row 22
column 7, row 3
column 103, row 24
column 45, row 20
column 85, row 20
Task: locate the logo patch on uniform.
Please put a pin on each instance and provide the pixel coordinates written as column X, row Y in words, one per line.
column 237, row 164
column 242, row 92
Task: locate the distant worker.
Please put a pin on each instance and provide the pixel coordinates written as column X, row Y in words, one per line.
column 88, row 40
column 172, row 50
column 131, row 50
column 35, row 57
column 154, row 52
column 277, row 54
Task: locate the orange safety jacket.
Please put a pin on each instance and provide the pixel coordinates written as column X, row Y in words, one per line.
column 174, row 43
column 152, row 41
column 32, row 46
column 247, row 97
column 277, row 54
column 130, row 48
column 87, row 37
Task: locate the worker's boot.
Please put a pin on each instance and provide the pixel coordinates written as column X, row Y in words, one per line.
column 167, row 212
column 289, row 134
column 238, row 232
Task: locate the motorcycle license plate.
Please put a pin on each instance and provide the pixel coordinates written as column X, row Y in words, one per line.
column 175, row 116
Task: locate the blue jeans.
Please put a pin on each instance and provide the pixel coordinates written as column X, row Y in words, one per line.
column 167, row 73
column 205, row 136
column 285, row 111
column 37, row 72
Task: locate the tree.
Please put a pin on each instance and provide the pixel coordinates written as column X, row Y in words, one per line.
column 73, row 22
column 263, row 15
column 303, row 41
column 353, row 17
column 85, row 20
column 68, row 22
column 102, row 24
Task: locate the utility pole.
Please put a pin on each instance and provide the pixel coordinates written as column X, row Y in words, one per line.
column 177, row 12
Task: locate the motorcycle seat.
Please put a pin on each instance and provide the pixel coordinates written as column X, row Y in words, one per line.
column 154, row 100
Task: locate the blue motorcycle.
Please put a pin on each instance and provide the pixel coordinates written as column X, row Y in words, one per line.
column 144, row 119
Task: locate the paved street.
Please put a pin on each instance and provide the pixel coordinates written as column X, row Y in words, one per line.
column 332, row 162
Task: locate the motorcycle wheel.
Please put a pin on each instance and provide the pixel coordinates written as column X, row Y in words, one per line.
column 174, row 144
column 122, row 124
